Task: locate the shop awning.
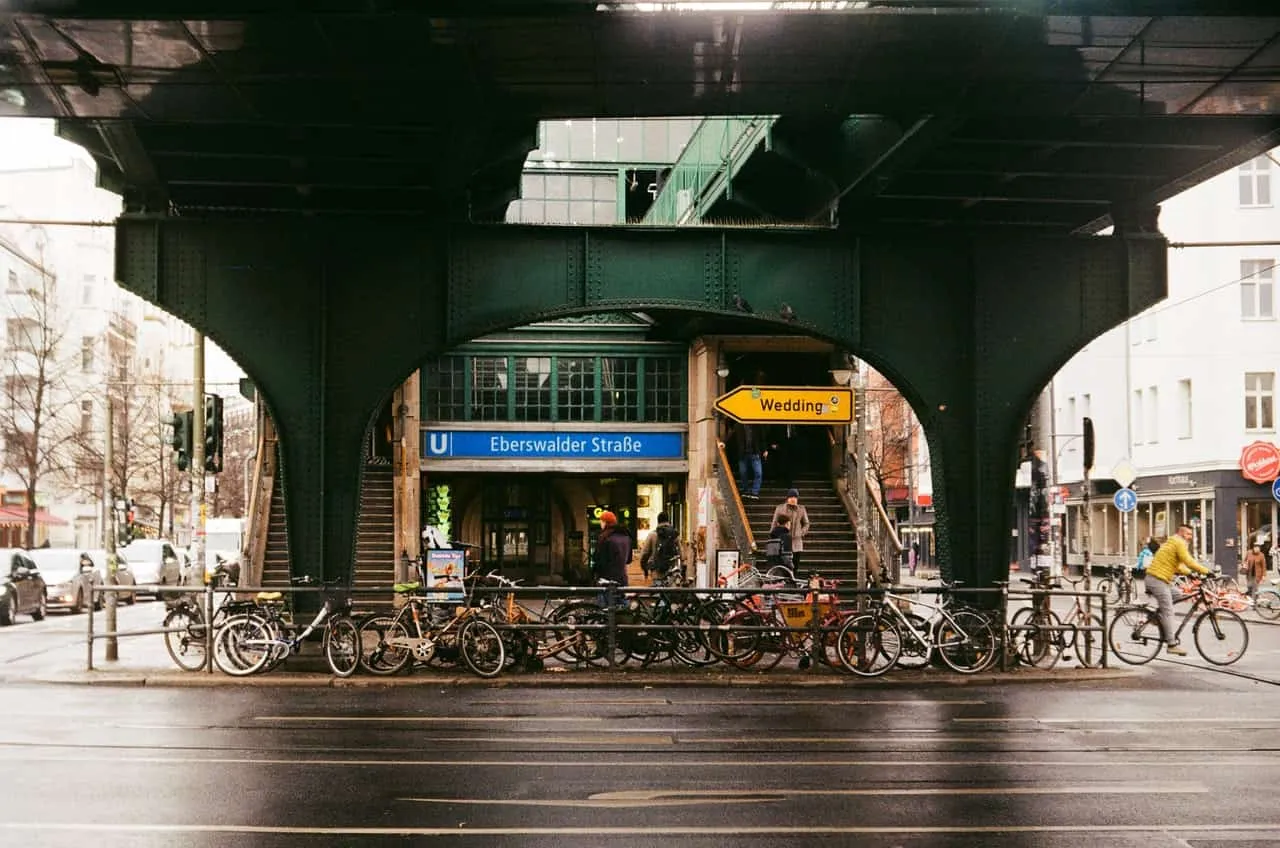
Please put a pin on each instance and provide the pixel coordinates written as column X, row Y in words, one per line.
column 16, row 516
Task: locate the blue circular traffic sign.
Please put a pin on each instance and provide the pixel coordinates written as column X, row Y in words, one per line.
column 1125, row 499
column 1275, row 488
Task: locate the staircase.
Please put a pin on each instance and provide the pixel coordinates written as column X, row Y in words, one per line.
column 375, row 540
column 275, row 556
column 830, row 547
column 375, row 564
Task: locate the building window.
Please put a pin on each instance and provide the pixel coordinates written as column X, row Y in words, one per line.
column 619, row 388
column 533, row 388
column 664, row 389
column 13, row 281
column 1260, row 400
column 1257, row 288
column 1086, row 406
column 1255, row 182
column 86, row 354
column 1153, row 415
column 86, row 417
column 446, row 388
column 1072, row 422
column 1184, row 409
column 489, row 388
column 1138, row 410
column 576, row 396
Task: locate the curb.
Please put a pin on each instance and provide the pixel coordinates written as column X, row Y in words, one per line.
column 798, row 680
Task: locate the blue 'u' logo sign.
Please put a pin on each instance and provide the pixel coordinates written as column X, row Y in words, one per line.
column 437, row 444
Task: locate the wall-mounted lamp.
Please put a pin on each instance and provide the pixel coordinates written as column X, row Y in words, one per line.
column 722, row 367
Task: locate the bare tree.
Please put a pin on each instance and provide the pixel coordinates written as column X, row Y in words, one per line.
column 37, row 416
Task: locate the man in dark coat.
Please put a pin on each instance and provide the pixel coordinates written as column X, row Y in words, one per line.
column 613, row 550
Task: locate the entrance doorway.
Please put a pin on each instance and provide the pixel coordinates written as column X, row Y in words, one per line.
column 803, row 451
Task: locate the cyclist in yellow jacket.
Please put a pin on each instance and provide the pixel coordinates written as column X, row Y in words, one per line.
column 1173, row 558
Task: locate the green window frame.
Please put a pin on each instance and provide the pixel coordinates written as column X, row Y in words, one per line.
column 550, row 387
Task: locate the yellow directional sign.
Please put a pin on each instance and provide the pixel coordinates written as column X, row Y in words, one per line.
column 787, row 404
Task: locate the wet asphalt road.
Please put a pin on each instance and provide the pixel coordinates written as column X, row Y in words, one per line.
column 1167, row 759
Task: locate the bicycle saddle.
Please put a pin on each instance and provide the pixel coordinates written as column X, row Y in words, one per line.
column 267, row 597
column 406, row 588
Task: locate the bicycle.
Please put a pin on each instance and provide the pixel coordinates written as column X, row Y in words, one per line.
column 424, row 630
column 870, row 643
column 1135, row 635
column 263, row 638
column 185, row 631
column 1266, row 601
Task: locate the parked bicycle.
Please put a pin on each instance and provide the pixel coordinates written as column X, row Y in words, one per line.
column 264, row 637
column 428, row 628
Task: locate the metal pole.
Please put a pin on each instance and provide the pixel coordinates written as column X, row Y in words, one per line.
column 860, row 480
column 197, row 458
column 109, row 530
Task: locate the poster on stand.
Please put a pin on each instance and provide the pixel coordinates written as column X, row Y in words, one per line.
column 727, row 568
column 446, row 570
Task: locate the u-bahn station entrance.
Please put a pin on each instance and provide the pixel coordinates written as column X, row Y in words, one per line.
column 487, row 265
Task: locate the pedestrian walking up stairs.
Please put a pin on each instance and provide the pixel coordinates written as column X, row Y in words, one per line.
column 375, row 560
column 830, row 546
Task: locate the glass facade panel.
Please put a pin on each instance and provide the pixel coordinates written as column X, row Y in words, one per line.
column 557, row 186
column 619, row 383
column 576, row 398
column 533, row 388
column 489, row 388
column 444, row 392
column 664, row 389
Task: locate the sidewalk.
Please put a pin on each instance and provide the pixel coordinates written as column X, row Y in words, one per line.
column 143, row 661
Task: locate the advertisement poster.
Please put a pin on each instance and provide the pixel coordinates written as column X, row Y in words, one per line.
column 445, row 569
column 726, row 566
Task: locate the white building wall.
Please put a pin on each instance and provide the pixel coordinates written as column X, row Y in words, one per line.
column 1195, row 334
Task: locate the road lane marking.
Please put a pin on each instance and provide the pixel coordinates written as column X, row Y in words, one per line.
column 1187, row 830
column 1210, row 720
column 430, row 719
column 834, row 702
column 679, row 797
column 37, row 755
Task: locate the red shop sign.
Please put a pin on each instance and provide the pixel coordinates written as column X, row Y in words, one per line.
column 1260, row 462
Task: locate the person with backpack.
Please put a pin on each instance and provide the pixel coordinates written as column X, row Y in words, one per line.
column 660, row 553
column 1144, row 557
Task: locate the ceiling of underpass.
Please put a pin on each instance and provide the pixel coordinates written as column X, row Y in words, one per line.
column 936, row 113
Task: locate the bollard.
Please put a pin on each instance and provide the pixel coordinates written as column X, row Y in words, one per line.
column 89, row 664
column 208, row 627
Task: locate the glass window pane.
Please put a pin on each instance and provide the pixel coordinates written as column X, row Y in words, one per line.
column 605, row 187
column 582, row 212
column 653, row 143
column 1267, row 413
column 1246, row 190
column 489, row 388
column 443, row 389
column 606, row 213
column 556, row 212
column 575, row 399
column 533, row 388
column 630, row 135
column 620, row 390
column 1266, row 304
column 533, row 186
column 582, row 147
column 557, row 186
column 606, row 141
column 580, row 186
column 555, row 140
column 1263, row 189
column 664, row 389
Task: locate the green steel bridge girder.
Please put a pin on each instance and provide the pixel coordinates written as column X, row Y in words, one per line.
column 329, row 317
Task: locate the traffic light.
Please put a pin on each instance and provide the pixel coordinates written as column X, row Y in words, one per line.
column 183, row 426
column 213, row 433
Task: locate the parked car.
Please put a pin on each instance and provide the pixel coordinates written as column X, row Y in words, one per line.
column 124, row 574
column 69, row 577
column 155, row 562
column 22, row 590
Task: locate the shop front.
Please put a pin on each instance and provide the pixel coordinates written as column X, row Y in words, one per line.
column 527, row 502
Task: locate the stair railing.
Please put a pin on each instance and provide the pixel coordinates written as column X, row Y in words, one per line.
column 259, row 507
column 727, row 486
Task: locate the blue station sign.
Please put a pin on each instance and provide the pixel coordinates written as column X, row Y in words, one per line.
column 546, row 444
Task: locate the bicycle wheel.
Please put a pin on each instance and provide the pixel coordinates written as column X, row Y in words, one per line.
column 966, row 642
column 1267, row 604
column 342, row 646
column 915, row 649
column 1087, row 639
column 1036, row 637
column 186, row 644
column 384, row 645
column 1224, row 640
column 242, row 646
column 1134, row 636
column 868, row 645
column 481, row 648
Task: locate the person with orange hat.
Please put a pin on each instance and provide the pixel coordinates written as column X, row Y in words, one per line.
column 613, row 550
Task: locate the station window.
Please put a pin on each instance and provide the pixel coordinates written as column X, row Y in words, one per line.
column 550, row 387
